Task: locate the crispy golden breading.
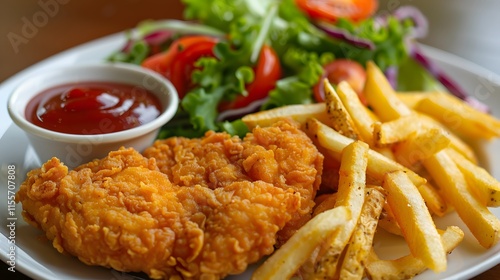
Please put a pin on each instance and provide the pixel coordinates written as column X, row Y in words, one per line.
column 121, row 212
column 280, row 155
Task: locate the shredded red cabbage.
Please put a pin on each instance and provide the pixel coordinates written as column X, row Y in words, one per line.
column 158, row 37
column 232, row 114
column 445, row 80
column 421, row 25
column 391, row 73
column 155, row 38
column 344, row 35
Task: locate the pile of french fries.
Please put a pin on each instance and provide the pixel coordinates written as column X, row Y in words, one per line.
column 402, row 159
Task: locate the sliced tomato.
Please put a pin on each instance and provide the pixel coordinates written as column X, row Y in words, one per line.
column 157, row 62
column 181, row 68
column 342, row 70
column 331, row 10
column 267, row 72
column 177, row 62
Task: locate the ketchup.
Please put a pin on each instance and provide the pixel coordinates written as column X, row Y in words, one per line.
column 93, row 108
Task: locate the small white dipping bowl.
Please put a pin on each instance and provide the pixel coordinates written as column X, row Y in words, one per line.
column 73, row 149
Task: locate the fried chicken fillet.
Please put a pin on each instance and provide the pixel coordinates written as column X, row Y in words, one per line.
column 217, row 207
column 280, row 155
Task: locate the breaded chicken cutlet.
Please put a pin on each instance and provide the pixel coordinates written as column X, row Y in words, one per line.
column 218, row 207
column 280, row 155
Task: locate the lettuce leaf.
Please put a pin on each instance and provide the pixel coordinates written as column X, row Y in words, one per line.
column 297, row 89
column 413, row 77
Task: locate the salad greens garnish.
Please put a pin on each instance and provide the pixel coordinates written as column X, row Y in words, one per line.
column 243, row 28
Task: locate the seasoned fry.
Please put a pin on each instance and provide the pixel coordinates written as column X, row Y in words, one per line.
column 340, row 119
column 378, row 165
column 483, row 224
column 459, row 116
column 381, row 96
column 358, row 111
column 352, row 179
column 455, row 142
column 351, row 194
column 285, row 261
column 362, row 237
column 483, row 185
column 403, row 128
column 420, row 145
column 299, row 113
column 395, row 131
column 415, row 221
column 409, row 266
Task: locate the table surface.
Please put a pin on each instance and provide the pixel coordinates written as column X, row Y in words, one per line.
column 76, row 22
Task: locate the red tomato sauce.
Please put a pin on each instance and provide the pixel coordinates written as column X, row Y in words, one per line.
column 93, row 108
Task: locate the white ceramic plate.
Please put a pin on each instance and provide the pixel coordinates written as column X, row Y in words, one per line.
column 39, row 260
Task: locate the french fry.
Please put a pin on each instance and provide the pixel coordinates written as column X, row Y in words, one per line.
column 362, row 237
column 400, row 129
column 459, row 116
column 483, row 224
column 385, row 151
column 434, row 201
column 352, row 175
column 360, row 115
column 351, row 194
column 483, row 185
column 403, row 128
column 411, row 98
column 388, row 222
column 409, row 266
column 415, row 221
column 340, row 120
column 285, row 261
column 378, row 165
column 395, row 131
column 299, row 113
column 455, row 142
column 381, row 96
column 420, row 145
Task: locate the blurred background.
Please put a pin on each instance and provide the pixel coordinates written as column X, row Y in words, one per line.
column 33, row 30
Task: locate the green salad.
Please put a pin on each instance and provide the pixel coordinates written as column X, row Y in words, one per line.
column 232, row 57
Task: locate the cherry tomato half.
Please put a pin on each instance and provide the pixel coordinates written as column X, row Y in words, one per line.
column 267, row 72
column 342, row 70
column 177, row 62
column 179, row 72
column 331, row 10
